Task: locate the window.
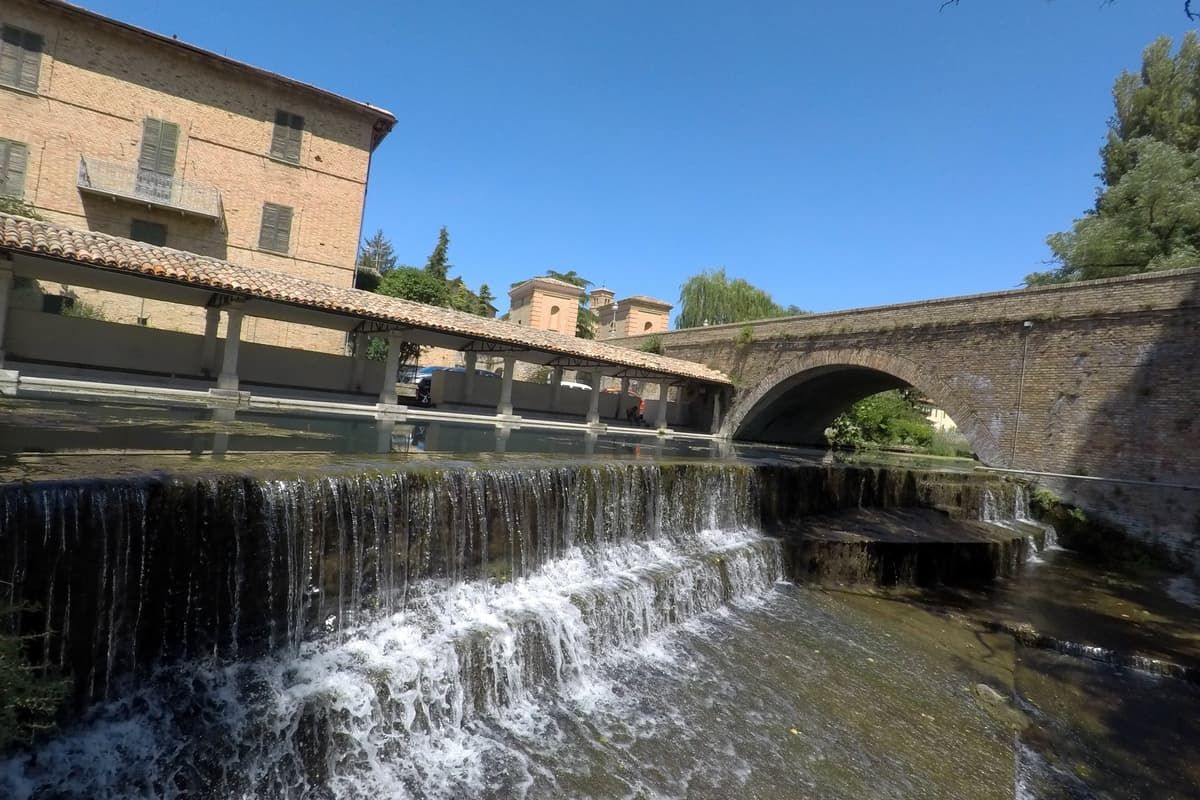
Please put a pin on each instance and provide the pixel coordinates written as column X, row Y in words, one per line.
column 276, row 231
column 20, row 58
column 554, row 317
column 56, row 303
column 13, row 158
column 648, row 326
column 156, row 161
column 285, row 142
column 148, row 232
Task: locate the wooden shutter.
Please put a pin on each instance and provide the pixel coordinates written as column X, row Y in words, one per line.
column 287, row 136
column 276, row 231
column 13, row 158
column 20, row 58
column 31, row 61
column 160, row 142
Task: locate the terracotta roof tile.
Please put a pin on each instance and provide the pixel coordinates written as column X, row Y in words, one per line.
column 124, row 255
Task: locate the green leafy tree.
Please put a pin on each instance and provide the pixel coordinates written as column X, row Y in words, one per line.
column 711, row 298
column 417, row 285
column 438, row 264
column 1147, row 212
column 888, row 418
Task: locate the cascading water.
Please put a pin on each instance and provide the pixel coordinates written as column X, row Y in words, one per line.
column 363, row 635
column 376, row 617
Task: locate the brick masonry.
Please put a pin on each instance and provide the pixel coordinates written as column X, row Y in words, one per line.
column 98, row 81
column 1110, row 384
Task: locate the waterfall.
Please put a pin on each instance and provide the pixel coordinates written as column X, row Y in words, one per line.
column 354, row 634
column 387, row 699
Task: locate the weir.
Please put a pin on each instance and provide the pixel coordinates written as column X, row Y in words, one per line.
column 335, row 631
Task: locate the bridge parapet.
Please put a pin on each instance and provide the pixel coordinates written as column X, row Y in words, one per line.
column 1100, row 378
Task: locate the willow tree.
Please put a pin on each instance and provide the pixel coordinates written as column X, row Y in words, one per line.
column 711, row 298
column 1147, row 212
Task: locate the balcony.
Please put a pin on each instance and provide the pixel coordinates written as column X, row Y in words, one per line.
column 127, row 182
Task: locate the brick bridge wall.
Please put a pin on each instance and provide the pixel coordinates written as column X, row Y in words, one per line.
column 1111, row 384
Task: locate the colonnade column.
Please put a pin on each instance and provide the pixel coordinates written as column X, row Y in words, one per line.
column 6, row 282
column 593, row 417
column 359, row 367
column 505, row 408
column 660, row 421
column 469, row 376
column 208, row 351
column 391, row 366
column 621, row 397
column 556, row 382
column 228, row 379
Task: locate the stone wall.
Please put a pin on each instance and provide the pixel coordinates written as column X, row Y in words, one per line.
column 1104, row 376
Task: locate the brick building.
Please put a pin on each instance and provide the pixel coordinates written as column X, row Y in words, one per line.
column 633, row 316
column 547, row 304
column 111, row 128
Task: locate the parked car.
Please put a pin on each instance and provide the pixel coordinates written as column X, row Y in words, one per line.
column 575, row 385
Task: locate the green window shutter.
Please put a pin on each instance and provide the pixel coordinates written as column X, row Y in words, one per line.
column 276, row 231
column 160, row 142
column 31, row 61
column 10, row 55
column 287, row 136
column 14, row 157
column 20, row 58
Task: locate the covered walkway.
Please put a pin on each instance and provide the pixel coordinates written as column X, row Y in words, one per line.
column 143, row 357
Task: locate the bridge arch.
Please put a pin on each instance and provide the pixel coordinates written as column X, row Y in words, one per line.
column 799, row 400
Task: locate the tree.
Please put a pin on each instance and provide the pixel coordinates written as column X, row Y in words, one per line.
column 710, row 298
column 888, row 418
column 375, row 257
column 1147, row 213
column 486, row 301
column 377, row 254
column 417, row 285
column 438, row 265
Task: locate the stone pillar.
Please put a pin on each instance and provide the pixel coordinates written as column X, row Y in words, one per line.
column 504, row 408
column 208, row 352
column 660, row 420
column 391, row 366
column 468, row 385
column 502, row 434
column 716, row 413
column 621, row 397
column 359, row 368
column 228, row 379
column 593, row 417
column 556, row 382
column 6, row 281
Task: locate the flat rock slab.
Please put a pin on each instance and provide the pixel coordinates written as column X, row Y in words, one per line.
column 901, row 547
column 898, row 525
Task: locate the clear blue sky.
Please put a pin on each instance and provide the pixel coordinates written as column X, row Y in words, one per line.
column 835, row 153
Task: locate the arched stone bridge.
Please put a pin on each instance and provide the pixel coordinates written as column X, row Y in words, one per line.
column 1094, row 379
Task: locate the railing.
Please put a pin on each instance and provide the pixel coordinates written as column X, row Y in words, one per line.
column 127, row 182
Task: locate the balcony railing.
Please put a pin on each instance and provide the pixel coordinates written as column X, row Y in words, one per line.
column 127, row 182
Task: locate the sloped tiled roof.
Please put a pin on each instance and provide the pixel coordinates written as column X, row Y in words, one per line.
column 22, row 235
